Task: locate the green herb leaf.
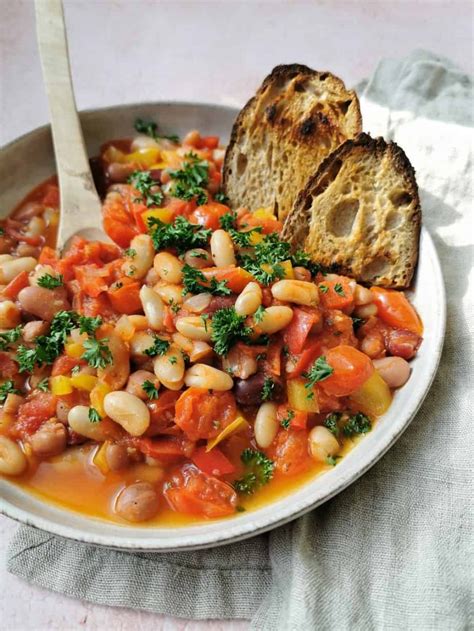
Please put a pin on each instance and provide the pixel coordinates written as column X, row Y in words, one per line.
column 148, row 187
column 242, row 239
column 331, row 460
column 323, row 289
column 227, row 329
column 195, row 282
column 227, row 221
column 89, row 325
column 191, row 180
column 94, row 416
column 357, row 322
column 181, row 234
column 97, row 354
column 339, row 289
column 160, row 347
column 50, row 282
column 7, row 387
column 258, row 471
column 150, row 389
column 285, row 422
column 150, row 128
column 357, row 424
column 331, row 422
column 9, row 337
column 130, row 252
column 319, row 371
column 267, row 389
column 43, row 385
column 221, row 197
column 258, row 315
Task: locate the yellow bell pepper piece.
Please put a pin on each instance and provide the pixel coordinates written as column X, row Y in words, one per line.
column 300, row 397
column 163, row 214
column 144, row 157
column 74, row 350
column 236, row 426
column 100, row 459
column 288, row 269
column 83, row 382
column 263, row 213
column 171, row 158
column 112, row 154
column 256, row 237
column 373, row 397
column 97, row 397
column 159, row 165
column 60, row 385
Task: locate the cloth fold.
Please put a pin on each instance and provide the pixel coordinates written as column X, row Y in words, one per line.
column 394, row 550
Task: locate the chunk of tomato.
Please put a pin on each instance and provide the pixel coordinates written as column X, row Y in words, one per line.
column 208, row 215
column 162, row 411
column 394, row 309
column 351, row 369
column 289, row 452
column 296, row 418
column 236, row 277
column 33, row 413
column 193, row 492
column 212, row 462
column 297, row 331
column 204, row 414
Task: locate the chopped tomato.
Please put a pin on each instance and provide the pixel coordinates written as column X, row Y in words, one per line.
column 194, row 492
column 125, row 296
column 92, row 279
column 296, row 418
column 64, row 364
column 180, row 207
column 16, row 285
column 336, row 294
column 212, row 462
column 166, row 450
column 209, row 142
column 236, row 277
column 394, row 309
column 204, row 414
column 33, row 413
column 351, row 369
column 268, row 224
column 118, row 223
column 303, row 361
column 8, row 366
column 209, row 215
column 162, row 411
column 296, row 333
column 289, row 452
column 48, row 256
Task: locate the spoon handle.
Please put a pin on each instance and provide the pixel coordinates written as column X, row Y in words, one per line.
column 80, row 204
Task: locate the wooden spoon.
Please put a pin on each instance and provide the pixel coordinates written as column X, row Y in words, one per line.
column 80, row 203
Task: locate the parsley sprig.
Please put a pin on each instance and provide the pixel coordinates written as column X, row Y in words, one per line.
column 194, row 282
column 286, row 421
column 159, row 347
column 8, row 387
column 268, row 389
column 258, row 471
column 150, row 389
column 357, row 424
column 150, row 128
column 97, row 354
column 319, row 371
column 149, row 189
column 191, row 180
column 9, row 337
column 50, row 282
column 181, row 234
column 227, row 329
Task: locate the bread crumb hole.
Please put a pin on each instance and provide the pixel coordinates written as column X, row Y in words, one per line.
column 241, row 164
column 401, row 198
column 394, row 220
column 342, row 217
column 378, row 267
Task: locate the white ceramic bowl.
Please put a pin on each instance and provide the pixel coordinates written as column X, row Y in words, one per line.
column 27, row 161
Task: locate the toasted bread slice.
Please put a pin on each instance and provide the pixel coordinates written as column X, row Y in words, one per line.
column 361, row 211
column 297, row 117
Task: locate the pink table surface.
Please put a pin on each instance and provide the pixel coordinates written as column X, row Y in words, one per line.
column 206, row 51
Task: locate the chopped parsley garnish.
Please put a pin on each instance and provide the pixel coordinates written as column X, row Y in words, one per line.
column 191, row 180
column 97, row 354
column 227, row 329
column 339, row 289
column 205, row 320
column 50, row 282
column 172, row 360
column 195, row 282
column 89, row 325
column 258, row 471
column 268, row 254
column 267, row 389
column 302, row 259
column 174, row 306
column 258, row 315
column 149, row 189
column 242, row 239
column 9, row 337
column 43, row 385
column 323, row 289
column 181, row 234
column 228, row 220
column 332, row 460
column 285, row 422
column 150, row 128
column 319, row 371
column 94, row 416
column 221, row 197
column 357, row 424
column 159, row 347
column 331, row 422
column 150, row 389
column 8, row 387
column 130, row 252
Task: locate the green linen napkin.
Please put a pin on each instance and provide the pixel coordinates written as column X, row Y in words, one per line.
column 394, row 550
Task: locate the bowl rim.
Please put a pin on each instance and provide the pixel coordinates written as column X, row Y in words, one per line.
column 235, row 530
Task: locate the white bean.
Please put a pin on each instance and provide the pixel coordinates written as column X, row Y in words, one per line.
column 208, row 377
column 137, row 379
column 299, row 292
column 322, row 444
column 266, row 424
column 140, row 262
column 36, row 227
column 78, row 419
column 197, row 303
column 128, row 411
column 38, row 272
column 222, row 249
column 275, row 318
column 395, row 371
column 170, row 294
column 301, row 273
column 144, row 142
column 139, row 343
column 195, row 327
column 153, row 307
column 365, row 311
column 249, row 300
column 116, row 373
column 12, row 459
column 170, row 367
column 362, row 296
column 198, row 258
column 11, row 268
column 168, row 267
column 10, row 315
